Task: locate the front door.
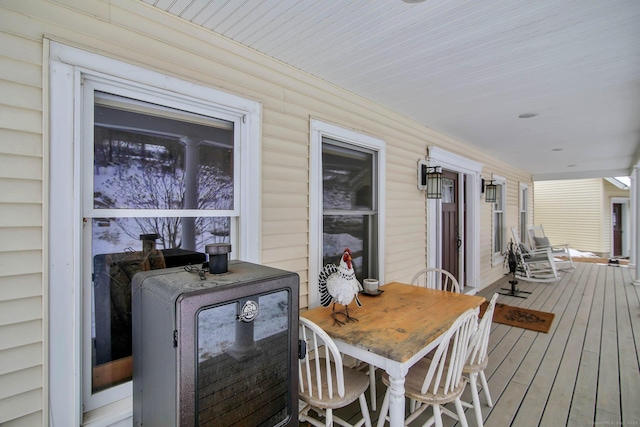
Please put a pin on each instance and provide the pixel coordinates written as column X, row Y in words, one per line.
column 616, row 220
column 451, row 236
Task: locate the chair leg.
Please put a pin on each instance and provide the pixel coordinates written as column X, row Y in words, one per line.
column 372, row 386
column 485, row 387
column 473, row 382
column 328, row 413
column 384, row 409
column 437, row 414
column 460, row 411
column 365, row 410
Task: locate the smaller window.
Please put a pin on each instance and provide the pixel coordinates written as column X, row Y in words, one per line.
column 499, row 227
column 524, row 211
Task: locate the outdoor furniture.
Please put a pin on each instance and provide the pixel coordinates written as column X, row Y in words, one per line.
column 437, row 380
column 536, row 265
column 479, row 358
column 436, row 278
column 395, row 331
column 539, row 240
column 325, row 384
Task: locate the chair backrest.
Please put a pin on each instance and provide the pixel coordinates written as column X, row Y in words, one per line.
column 480, row 341
column 436, row 278
column 445, row 371
column 537, row 238
column 321, row 369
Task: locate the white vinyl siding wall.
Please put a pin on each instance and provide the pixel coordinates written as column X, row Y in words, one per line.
column 134, row 32
column 574, row 212
column 22, row 369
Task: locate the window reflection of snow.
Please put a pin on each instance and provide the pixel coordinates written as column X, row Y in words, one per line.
column 216, row 325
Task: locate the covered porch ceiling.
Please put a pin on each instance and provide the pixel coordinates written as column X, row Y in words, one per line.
column 469, row 69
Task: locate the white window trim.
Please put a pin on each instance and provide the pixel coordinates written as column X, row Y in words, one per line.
column 498, row 257
column 319, row 130
column 67, row 66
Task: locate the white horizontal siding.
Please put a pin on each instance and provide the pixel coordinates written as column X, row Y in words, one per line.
column 22, row 409
column 571, row 212
column 21, row 222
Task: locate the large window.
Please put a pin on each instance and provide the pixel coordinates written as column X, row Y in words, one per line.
column 347, row 175
column 159, row 184
column 349, row 206
column 141, row 179
column 499, row 224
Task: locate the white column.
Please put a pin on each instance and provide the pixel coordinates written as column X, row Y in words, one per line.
column 635, row 220
column 191, row 162
column 631, row 219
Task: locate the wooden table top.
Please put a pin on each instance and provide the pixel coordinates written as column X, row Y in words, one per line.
column 397, row 323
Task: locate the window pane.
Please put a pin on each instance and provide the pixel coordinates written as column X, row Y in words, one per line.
column 499, row 206
column 354, row 232
column 497, row 233
column 346, row 178
column 121, row 247
column 220, row 375
column 143, row 161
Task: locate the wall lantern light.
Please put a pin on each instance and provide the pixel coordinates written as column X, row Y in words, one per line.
column 490, row 191
column 430, row 179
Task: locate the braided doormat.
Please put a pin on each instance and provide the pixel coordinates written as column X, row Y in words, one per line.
column 525, row 318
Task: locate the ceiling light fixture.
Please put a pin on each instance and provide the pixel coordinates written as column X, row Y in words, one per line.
column 556, row 149
column 527, row 115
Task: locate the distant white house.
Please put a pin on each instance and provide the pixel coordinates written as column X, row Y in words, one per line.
column 592, row 215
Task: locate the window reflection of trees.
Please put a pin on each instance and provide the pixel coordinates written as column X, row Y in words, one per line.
column 138, row 171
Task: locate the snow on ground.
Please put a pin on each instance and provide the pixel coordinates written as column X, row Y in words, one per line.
column 216, row 326
column 577, row 254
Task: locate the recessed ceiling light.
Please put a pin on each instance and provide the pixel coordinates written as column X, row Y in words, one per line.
column 571, row 166
column 556, row 149
column 527, row 115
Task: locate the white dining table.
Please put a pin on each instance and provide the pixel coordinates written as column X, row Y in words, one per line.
column 394, row 330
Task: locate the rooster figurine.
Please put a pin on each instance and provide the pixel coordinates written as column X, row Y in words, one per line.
column 339, row 285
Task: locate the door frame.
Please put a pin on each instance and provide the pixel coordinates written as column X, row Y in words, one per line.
column 470, row 171
column 626, row 235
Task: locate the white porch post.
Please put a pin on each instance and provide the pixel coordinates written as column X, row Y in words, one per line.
column 635, row 223
column 191, row 162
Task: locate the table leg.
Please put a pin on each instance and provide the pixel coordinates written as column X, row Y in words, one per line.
column 396, row 401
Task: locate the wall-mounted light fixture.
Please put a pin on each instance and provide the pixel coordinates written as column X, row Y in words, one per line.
column 430, row 179
column 490, row 191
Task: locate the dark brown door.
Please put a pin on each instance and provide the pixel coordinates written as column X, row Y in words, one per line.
column 616, row 220
column 451, row 240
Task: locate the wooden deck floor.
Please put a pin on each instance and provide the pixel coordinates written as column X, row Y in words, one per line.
column 584, row 372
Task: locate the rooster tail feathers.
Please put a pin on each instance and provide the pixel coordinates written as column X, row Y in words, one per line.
column 358, row 303
column 325, row 296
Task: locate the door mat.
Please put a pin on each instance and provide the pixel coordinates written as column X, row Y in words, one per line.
column 539, row 321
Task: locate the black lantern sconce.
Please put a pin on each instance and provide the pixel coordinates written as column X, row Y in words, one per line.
column 430, row 179
column 490, row 191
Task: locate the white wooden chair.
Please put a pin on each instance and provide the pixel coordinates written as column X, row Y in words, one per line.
column 534, row 265
column 438, row 380
column 325, row 384
column 433, row 278
column 539, row 240
column 436, row 278
column 478, row 359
